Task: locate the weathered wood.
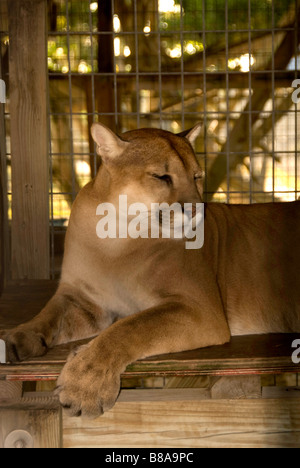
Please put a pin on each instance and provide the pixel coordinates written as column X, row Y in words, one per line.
column 187, row 394
column 286, row 380
column 4, row 240
column 32, row 401
column 10, row 391
column 29, row 139
column 281, row 392
column 193, row 381
column 19, row 439
column 237, row 387
column 235, row 358
column 29, row 421
column 221, row 424
column 49, row 367
column 43, row 425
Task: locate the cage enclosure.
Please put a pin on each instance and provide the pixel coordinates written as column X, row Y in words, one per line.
column 130, row 64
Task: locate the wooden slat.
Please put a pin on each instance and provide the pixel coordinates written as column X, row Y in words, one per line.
column 29, row 139
column 187, row 394
column 187, row 363
column 204, row 424
column 244, row 355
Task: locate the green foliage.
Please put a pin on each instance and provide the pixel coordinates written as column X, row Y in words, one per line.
column 220, row 19
column 235, row 15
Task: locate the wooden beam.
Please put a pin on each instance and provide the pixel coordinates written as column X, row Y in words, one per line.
column 10, row 391
column 4, row 236
column 29, row 139
column 185, row 423
column 4, row 242
column 33, row 427
column 236, row 387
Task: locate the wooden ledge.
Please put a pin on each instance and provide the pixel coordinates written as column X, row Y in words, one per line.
column 244, row 355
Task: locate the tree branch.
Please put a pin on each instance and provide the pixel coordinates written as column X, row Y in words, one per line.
column 238, row 138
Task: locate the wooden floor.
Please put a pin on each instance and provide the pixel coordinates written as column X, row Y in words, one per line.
column 212, row 397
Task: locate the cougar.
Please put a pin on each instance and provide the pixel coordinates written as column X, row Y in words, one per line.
column 143, row 296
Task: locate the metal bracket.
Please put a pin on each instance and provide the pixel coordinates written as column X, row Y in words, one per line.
column 2, row 352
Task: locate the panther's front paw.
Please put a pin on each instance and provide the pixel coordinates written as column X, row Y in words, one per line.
column 23, row 344
column 88, row 387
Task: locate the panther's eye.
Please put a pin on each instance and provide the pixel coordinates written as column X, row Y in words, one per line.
column 198, row 176
column 164, row 178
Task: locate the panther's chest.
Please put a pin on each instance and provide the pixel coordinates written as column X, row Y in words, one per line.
column 122, row 297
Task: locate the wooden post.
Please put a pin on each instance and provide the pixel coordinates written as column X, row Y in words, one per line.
column 3, row 202
column 29, row 422
column 104, row 85
column 29, row 139
column 185, row 420
column 4, row 234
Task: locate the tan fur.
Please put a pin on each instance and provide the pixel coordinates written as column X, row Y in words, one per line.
column 142, row 297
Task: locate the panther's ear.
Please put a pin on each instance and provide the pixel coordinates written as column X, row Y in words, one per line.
column 109, row 145
column 192, row 134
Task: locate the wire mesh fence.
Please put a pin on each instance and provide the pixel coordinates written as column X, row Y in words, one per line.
column 231, row 64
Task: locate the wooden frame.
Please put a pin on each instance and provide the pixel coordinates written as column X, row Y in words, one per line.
column 29, row 139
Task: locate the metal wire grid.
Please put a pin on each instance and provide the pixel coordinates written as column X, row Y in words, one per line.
column 159, row 75
column 212, row 95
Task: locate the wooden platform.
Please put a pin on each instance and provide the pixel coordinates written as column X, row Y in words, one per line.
column 212, row 397
column 245, row 355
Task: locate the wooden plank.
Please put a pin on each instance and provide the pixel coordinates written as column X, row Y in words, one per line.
column 42, row 425
column 33, row 420
column 195, row 381
column 206, row 361
column 32, row 401
column 10, row 391
column 237, row 387
column 203, row 424
column 281, row 392
column 286, row 380
column 29, row 139
column 186, row 394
